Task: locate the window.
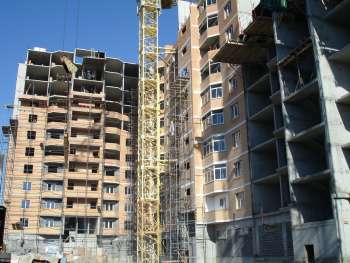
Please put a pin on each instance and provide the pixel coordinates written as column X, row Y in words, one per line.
column 234, row 110
column 213, row 118
column 28, row 168
column 161, row 122
column 213, row 20
column 50, row 222
column 205, row 96
column 232, row 85
column 216, row 91
column 55, row 186
column 229, row 34
column 228, row 9
column 215, row 68
column 128, row 190
column 222, row 203
column 211, row 2
column 108, row 206
column 109, row 189
column 129, row 208
column 31, row 135
column 219, row 143
column 237, row 169
column 24, row 222
column 220, row 171
column 218, row 117
column 32, row 118
column 162, row 140
column 93, row 205
column 29, row 151
column 93, row 187
column 161, row 105
column 108, row 223
column 51, row 204
column 129, row 175
column 130, row 158
column 27, row 186
column 215, row 172
column 207, row 147
column 236, row 138
column 112, row 171
column 25, row 203
column 128, row 225
column 239, row 200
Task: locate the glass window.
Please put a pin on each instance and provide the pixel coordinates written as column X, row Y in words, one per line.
column 211, row 2
column 219, row 143
column 228, row 9
column 31, row 135
column 218, row 117
column 220, row 171
column 239, row 200
column 237, row 169
column 216, row 91
column 234, row 110
column 108, row 223
column 128, row 190
column 222, row 203
column 28, row 168
column 232, row 84
column 32, row 118
column 229, row 34
column 24, row 222
column 29, row 151
column 27, row 186
column 25, row 203
column 236, row 138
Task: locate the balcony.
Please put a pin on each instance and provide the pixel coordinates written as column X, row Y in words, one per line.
column 84, row 140
column 111, row 196
column 51, row 194
column 218, row 216
column 110, row 214
column 83, row 193
column 50, row 230
column 85, row 124
column 83, row 175
column 56, row 109
column 209, row 35
column 81, row 210
column 50, row 212
column 54, row 158
column 217, row 186
column 82, row 158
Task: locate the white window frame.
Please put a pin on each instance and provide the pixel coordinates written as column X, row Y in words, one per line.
column 25, row 203
column 220, row 142
column 240, row 196
column 236, row 139
column 27, row 186
column 237, row 169
column 234, row 110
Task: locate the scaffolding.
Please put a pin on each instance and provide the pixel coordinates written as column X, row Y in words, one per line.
column 176, row 222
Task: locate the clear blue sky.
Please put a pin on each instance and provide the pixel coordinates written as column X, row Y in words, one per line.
column 108, row 25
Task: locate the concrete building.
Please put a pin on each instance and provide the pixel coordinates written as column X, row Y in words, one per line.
column 263, row 143
column 71, row 156
column 294, row 57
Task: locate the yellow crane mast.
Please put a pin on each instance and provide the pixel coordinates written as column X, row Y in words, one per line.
column 148, row 168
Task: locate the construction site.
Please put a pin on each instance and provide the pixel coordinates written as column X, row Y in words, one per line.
column 230, row 145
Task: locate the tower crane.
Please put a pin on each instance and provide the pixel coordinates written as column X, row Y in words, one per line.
column 148, row 167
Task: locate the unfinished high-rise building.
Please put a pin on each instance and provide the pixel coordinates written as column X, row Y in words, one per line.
column 262, row 145
column 71, row 156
